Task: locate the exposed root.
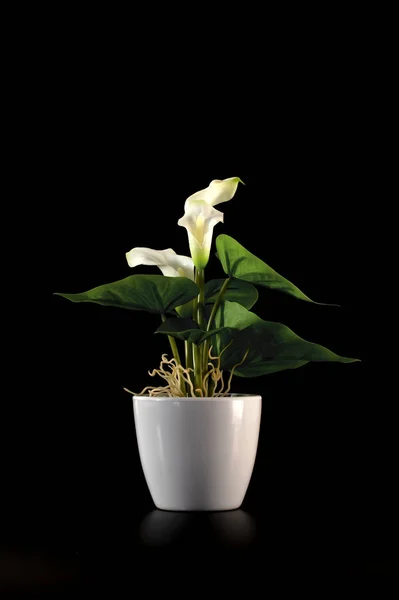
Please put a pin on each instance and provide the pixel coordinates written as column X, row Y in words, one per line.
column 174, row 373
column 217, row 375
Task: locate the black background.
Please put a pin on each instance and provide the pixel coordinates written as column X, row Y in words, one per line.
column 118, row 155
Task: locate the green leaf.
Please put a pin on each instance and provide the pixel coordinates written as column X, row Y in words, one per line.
column 236, row 316
column 230, row 318
column 271, row 346
column 153, row 293
column 186, row 329
column 238, row 262
column 237, row 291
column 185, row 310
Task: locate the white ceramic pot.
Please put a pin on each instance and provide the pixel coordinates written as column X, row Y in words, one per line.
column 197, row 453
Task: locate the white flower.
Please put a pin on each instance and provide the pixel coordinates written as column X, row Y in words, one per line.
column 218, row 191
column 200, row 217
column 199, row 220
column 170, row 263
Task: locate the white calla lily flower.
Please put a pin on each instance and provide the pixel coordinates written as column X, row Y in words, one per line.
column 170, row 263
column 199, row 219
column 218, row 191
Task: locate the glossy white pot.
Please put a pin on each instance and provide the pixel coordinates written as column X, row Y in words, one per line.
column 197, row 453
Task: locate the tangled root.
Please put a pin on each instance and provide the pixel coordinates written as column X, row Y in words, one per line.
column 177, row 377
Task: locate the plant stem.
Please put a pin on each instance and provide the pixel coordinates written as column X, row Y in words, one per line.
column 198, row 316
column 188, row 347
column 217, row 302
column 200, row 281
column 211, row 318
column 197, row 368
column 176, row 355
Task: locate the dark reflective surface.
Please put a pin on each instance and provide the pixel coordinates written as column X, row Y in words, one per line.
column 235, row 528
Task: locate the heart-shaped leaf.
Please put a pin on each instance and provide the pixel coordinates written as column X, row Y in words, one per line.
column 230, row 318
column 271, row 346
column 236, row 316
column 237, row 291
column 187, row 329
column 152, row 293
column 238, row 262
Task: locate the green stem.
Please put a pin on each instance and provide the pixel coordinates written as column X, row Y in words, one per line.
column 198, row 315
column 195, row 307
column 188, row 346
column 217, row 302
column 211, row 318
column 176, row 355
column 200, row 281
column 197, row 368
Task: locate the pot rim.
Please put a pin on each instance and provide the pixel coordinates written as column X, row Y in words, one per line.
column 231, row 396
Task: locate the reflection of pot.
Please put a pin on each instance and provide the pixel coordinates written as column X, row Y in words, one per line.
column 197, row 453
column 234, row 528
column 160, row 527
column 231, row 528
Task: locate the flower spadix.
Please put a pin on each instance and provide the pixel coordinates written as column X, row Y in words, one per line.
column 170, row 263
column 200, row 217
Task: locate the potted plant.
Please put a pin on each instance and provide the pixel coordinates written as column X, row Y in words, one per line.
column 197, row 439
